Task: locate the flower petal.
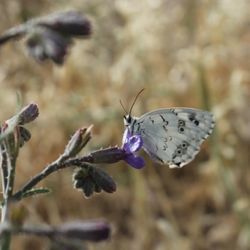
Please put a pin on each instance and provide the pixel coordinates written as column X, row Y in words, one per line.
column 126, row 136
column 135, row 143
column 135, row 161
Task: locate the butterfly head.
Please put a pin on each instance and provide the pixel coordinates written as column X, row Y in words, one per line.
column 127, row 120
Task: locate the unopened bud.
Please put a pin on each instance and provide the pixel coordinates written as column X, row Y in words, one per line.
column 103, row 180
column 88, row 186
column 78, row 141
column 28, row 114
column 70, row 23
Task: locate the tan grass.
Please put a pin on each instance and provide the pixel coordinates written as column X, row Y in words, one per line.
column 171, row 48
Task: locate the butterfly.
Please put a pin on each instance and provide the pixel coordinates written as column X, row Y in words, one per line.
column 171, row 136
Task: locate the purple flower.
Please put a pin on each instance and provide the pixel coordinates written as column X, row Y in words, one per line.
column 132, row 144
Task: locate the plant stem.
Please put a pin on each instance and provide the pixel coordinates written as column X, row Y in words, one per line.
column 91, row 230
column 9, row 150
column 8, row 176
column 3, row 167
column 51, row 168
column 5, row 237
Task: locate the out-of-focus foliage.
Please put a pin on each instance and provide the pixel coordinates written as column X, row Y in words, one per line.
column 185, row 53
column 48, row 37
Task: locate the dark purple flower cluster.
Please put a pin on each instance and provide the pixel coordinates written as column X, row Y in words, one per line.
column 90, row 179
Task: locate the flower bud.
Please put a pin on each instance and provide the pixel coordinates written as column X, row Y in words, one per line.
column 88, row 186
column 78, row 141
column 28, row 114
column 79, row 177
column 103, row 180
column 70, row 23
column 98, row 189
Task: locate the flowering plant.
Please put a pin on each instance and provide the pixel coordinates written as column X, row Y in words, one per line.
column 48, row 38
column 88, row 177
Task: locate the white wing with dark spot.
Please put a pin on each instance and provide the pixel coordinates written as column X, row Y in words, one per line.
column 173, row 136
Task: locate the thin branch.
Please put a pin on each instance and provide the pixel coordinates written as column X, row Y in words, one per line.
column 51, row 168
column 13, row 33
column 12, row 147
column 4, row 168
column 105, row 156
column 93, row 230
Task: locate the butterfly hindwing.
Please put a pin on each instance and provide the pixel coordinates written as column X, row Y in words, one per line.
column 173, row 136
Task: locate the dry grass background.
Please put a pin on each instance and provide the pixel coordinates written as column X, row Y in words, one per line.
column 185, row 53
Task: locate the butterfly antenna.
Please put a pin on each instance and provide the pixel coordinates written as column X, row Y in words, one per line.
column 135, row 101
column 126, row 112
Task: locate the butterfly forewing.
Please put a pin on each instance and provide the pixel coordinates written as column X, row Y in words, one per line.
column 173, row 136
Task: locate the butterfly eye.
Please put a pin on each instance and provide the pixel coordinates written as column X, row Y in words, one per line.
column 129, row 119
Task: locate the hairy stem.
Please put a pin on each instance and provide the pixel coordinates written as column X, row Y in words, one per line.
column 51, row 168
column 8, row 169
column 11, row 147
column 3, row 167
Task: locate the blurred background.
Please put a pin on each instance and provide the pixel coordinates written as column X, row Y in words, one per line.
column 184, row 53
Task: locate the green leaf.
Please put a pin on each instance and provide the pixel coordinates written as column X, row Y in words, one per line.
column 36, row 191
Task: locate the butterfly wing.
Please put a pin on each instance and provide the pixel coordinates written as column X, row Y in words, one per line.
column 174, row 136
